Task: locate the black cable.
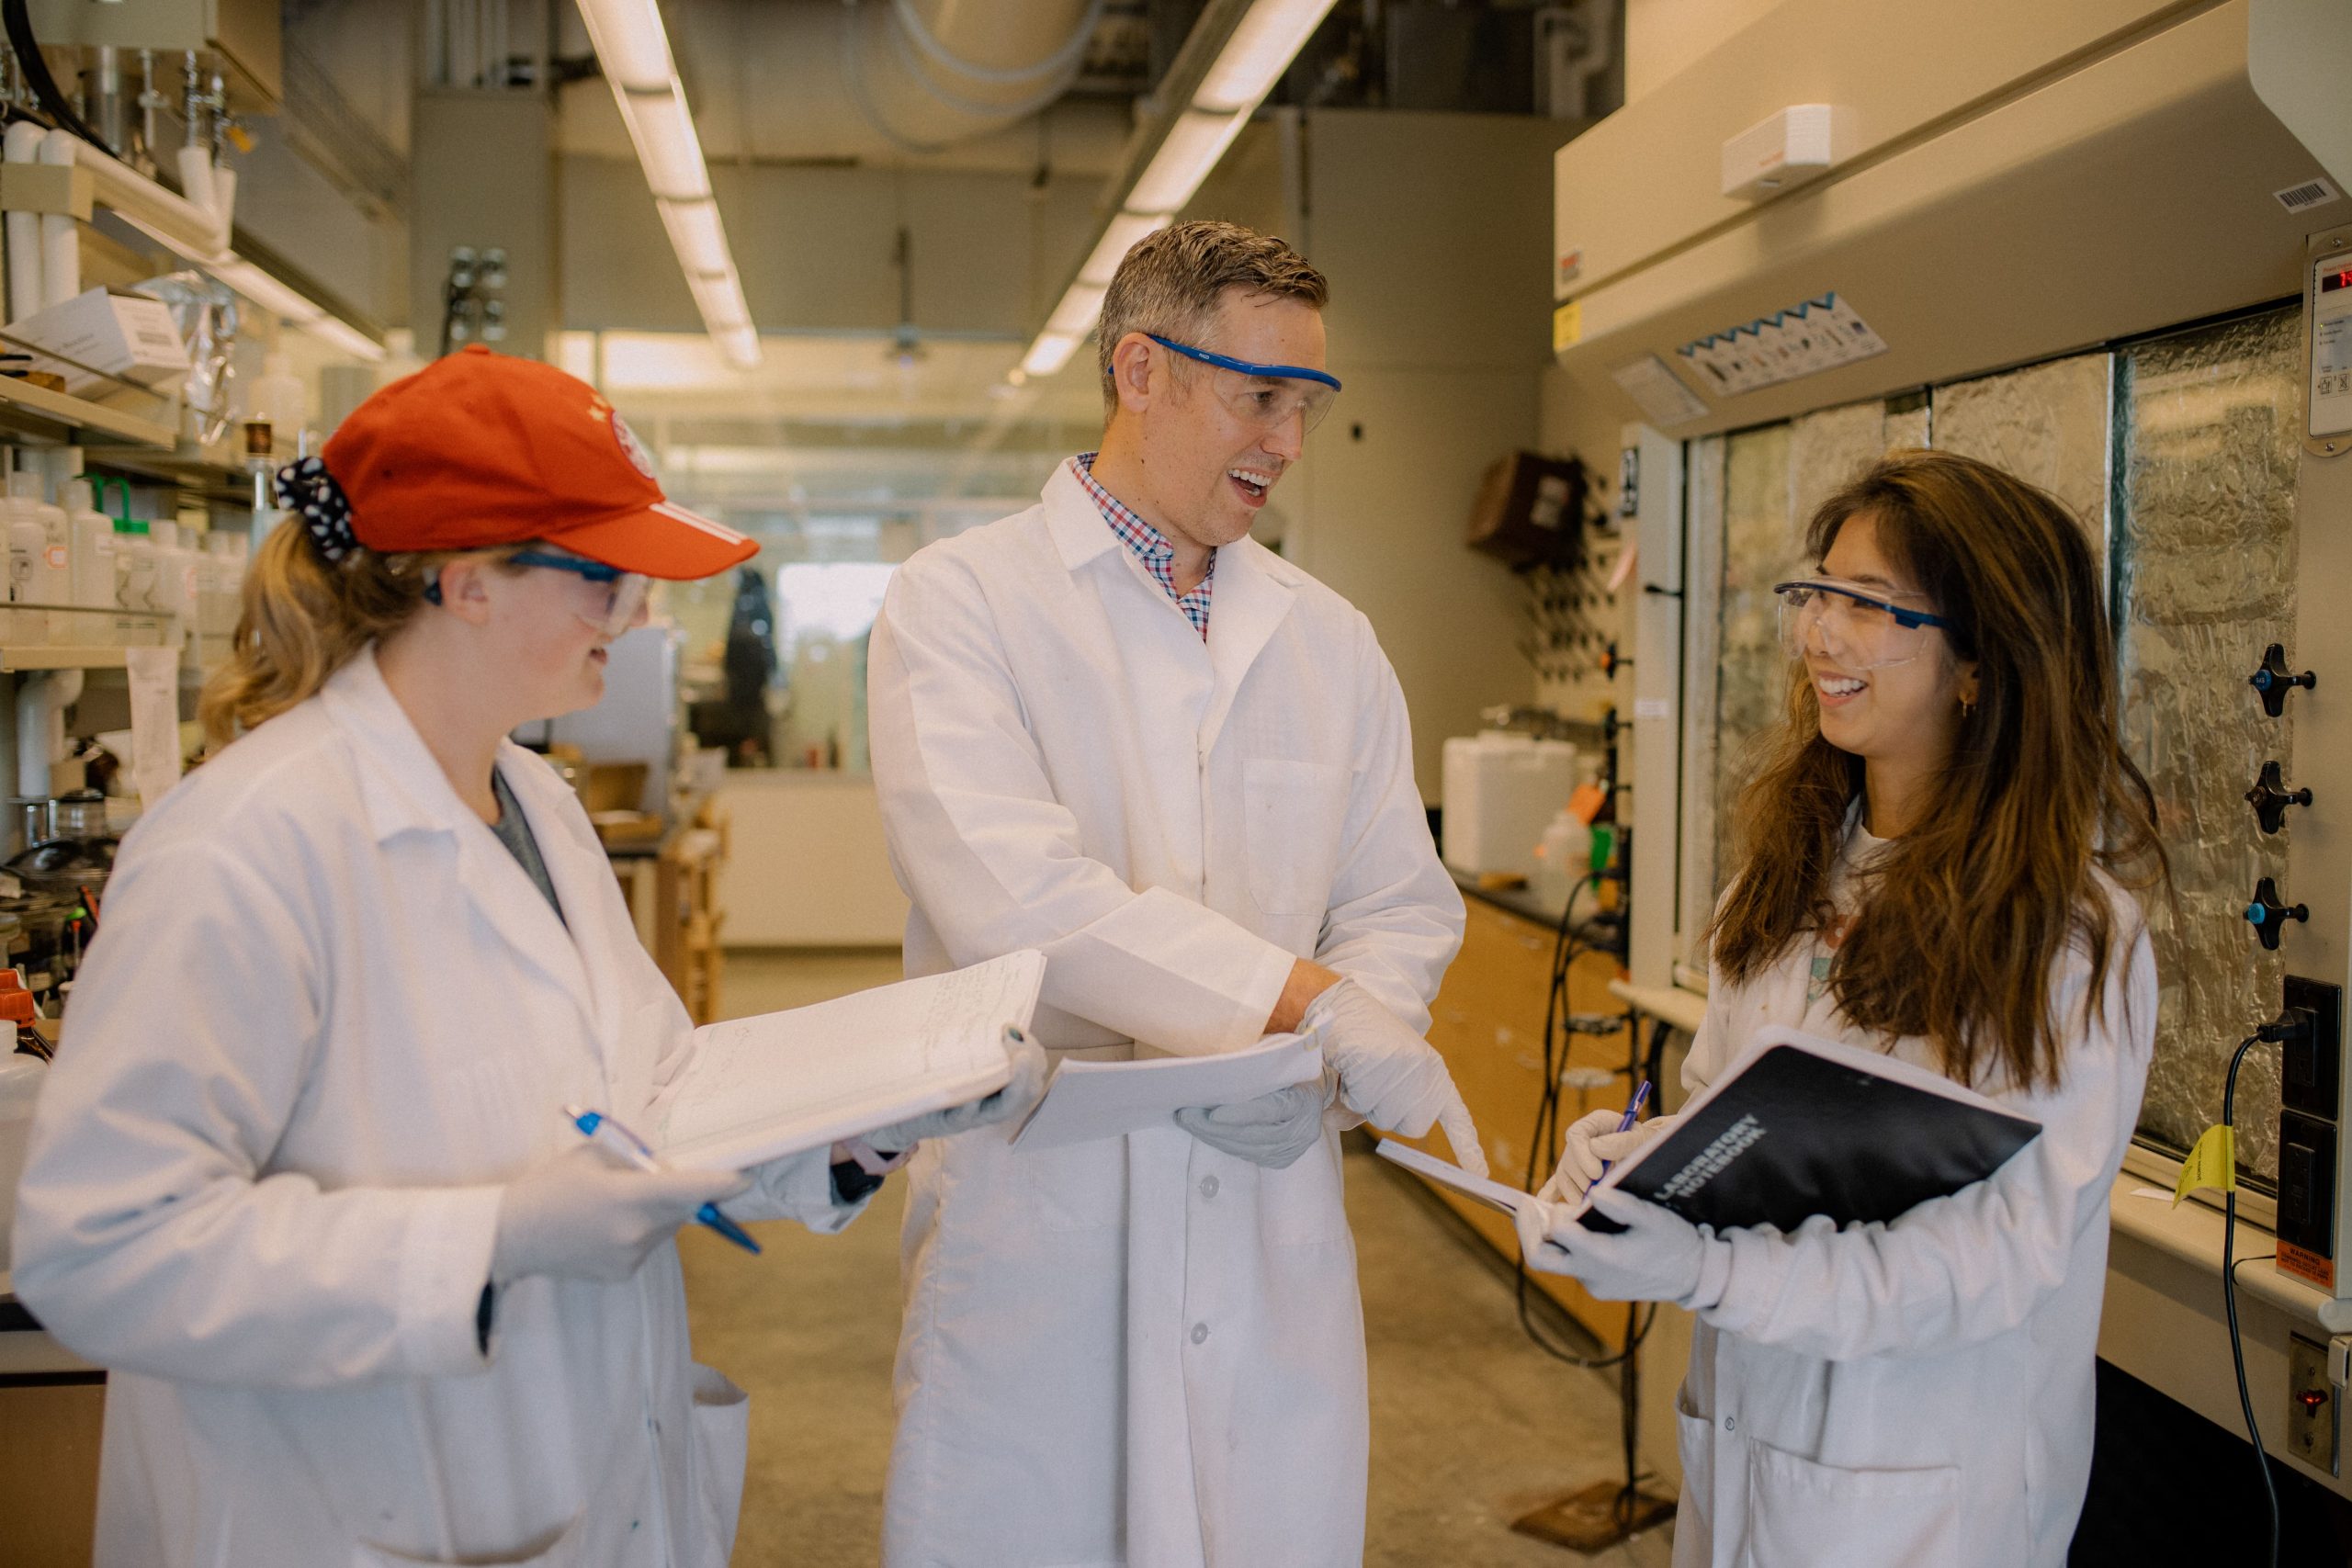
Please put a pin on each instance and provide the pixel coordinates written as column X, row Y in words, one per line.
column 18, row 21
column 2230, row 1290
column 1566, row 947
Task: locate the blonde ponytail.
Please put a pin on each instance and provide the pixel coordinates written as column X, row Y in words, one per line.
column 302, row 620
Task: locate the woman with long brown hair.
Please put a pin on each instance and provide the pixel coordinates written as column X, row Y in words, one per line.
column 1941, row 853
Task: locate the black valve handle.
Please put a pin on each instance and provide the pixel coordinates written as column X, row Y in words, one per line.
column 2274, row 682
column 2269, row 917
column 2271, row 797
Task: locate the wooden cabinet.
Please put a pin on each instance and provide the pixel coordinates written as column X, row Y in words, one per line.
column 1488, row 1024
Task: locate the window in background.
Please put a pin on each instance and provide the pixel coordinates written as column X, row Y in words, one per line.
column 825, row 612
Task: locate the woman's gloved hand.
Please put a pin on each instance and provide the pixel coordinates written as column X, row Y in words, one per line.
column 1388, row 1075
column 1023, row 1090
column 580, row 1217
column 1273, row 1130
column 1593, row 1143
column 1658, row 1257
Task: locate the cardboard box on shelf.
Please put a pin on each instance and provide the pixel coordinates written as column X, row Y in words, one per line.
column 99, row 336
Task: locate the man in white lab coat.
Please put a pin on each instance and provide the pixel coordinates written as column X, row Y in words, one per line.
column 1115, row 729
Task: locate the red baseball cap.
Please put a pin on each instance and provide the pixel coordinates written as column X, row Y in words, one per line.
column 480, row 449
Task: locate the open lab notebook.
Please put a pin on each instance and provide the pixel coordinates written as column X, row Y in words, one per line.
column 758, row 1089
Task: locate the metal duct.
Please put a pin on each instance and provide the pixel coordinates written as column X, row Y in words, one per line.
column 928, row 74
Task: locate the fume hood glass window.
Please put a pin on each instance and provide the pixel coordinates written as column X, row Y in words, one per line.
column 1751, row 677
column 2204, row 566
column 2052, row 424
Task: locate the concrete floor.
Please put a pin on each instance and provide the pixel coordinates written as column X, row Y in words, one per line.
column 1470, row 1425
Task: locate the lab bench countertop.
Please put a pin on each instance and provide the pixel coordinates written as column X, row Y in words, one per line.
column 26, row 1348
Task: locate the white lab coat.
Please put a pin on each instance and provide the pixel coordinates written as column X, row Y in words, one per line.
column 1138, row 1351
column 326, row 1016
column 1916, row 1394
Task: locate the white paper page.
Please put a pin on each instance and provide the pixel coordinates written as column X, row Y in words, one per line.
column 1104, row 1099
column 760, row 1086
column 1494, row 1194
column 154, row 721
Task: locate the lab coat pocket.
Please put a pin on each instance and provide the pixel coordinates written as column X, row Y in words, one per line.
column 1296, row 812
column 1802, row 1514
column 722, row 1445
column 1694, row 1444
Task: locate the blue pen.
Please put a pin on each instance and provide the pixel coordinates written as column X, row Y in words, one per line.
column 1633, row 1114
column 595, row 1126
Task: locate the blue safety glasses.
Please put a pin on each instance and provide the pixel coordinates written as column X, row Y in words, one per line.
column 1267, row 396
column 1856, row 627
column 622, row 596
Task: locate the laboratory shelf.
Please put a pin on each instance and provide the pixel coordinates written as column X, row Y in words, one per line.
column 14, row 660
column 36, row 412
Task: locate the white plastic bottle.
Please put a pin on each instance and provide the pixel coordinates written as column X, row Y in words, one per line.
column 275, row 405
column 92, row 560
column 38, row 559
column 135, row 561
column 1564, row 857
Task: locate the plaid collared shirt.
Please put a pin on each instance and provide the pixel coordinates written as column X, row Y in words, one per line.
column 1149, row 545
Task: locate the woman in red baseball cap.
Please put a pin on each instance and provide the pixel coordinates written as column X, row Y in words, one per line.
column 298, row 1177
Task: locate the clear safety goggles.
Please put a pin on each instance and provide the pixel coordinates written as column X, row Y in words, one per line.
column 612, row 599
column 1265, row 396
column 1852, row 626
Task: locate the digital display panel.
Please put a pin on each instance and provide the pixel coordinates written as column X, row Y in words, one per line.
column 2329, row 282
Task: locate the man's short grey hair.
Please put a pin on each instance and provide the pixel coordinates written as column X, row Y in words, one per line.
column 1171, row 282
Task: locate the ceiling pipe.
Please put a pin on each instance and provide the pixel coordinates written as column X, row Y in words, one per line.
column 927, row 74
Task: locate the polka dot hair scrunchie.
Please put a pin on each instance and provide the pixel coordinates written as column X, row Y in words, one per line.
column 308, row 491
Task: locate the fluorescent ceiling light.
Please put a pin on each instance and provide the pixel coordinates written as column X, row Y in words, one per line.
column 1259, row 50
column 1050, row 353
column 663, row 132
column 1193, row 145
column 741, row 345
column 1118, row 240
column 1079, row 310
column 630, row 42
column 698, row 235
column 634, row 50
column 720, row 300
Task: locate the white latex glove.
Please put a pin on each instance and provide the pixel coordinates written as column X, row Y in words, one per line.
column 1593, row 1143
column 1659, row 1257
column 1388, row 1075
column 1023, row 1089
column 1273, row 1130
column 580, row 1216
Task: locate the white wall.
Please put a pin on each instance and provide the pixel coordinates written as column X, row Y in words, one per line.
column 806, row 865
column 1435, row 232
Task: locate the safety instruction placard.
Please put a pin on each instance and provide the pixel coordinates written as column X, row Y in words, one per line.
column 1817, row 335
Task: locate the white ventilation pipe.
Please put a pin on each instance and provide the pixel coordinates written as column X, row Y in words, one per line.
column 22, row 144
column 60, row 236
column 928, row 74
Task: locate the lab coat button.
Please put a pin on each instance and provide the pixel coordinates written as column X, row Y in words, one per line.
column 1200, row 1333
column 1208, row 1186
column 1731, row 1423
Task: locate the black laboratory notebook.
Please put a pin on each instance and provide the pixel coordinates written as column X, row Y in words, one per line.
column 1804, row 1127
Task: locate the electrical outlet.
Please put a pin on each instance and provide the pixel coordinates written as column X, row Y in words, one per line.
column 2311, row 1070
column 2313, row 1406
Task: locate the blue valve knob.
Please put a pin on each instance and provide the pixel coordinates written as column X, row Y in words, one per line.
column 2269, row 917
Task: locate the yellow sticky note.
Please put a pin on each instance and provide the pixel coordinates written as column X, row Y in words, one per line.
column 1568, row 326
column 2212, row 1163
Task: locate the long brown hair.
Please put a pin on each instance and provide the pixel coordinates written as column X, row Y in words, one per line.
column 1961, row 922
column 303, row 619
